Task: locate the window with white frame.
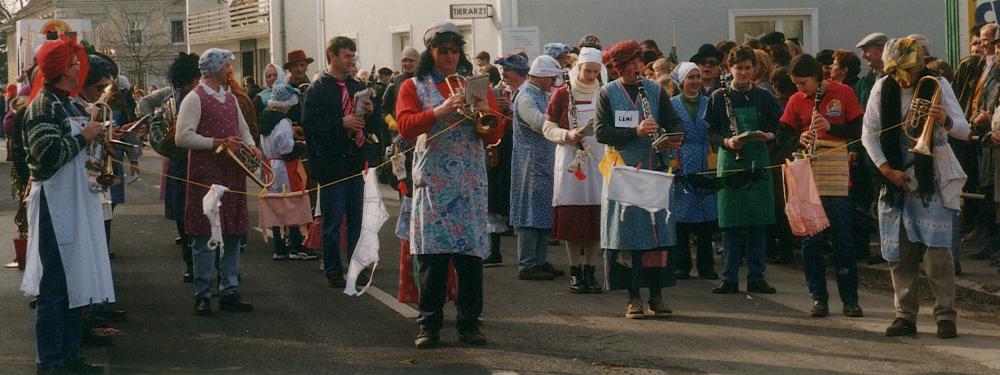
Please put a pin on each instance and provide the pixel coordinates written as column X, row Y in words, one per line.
column 802, row 24
column 401, row 38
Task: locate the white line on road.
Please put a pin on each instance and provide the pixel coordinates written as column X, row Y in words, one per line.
column 403, row 309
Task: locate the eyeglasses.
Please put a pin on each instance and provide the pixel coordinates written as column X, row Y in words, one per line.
column 447, row 50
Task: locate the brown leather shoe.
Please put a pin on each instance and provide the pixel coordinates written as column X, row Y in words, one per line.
column 946, row 329
column 901, row 327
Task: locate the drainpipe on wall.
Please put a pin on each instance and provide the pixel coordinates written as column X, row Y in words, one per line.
column 278, row 36
column 321, row 34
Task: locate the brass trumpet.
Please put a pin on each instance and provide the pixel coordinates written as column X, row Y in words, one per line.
column 485, row 122
column 926, row 94
column 249, row 163
column 104, row 165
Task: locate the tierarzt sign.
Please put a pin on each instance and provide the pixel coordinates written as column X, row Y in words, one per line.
column 468, row 11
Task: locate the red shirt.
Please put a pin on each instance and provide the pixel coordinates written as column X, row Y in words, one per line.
column 412, row 120
column 558, row 110
column 839, row 107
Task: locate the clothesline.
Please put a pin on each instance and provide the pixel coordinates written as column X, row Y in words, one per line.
column 459, row 122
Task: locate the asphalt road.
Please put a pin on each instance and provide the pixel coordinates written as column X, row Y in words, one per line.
column 301, row 326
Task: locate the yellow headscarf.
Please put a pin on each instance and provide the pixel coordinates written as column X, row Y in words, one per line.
column 900, row 55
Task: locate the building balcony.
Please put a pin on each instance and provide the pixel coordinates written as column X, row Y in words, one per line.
column 247, row 20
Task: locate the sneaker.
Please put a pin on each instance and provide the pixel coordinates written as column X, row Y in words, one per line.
column 472, row 336
column 820, row 309
column 634, row 310
column 277, row 256
column 658, row 309
column 426, row 339
column 302, row 255
column 760, row 286
column 901, row 327
column 534, row 274
column 853, row 311
column 946, row 329
column 726, row 288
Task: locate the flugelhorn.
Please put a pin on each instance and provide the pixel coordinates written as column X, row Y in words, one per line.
column 485, row 122
column 249, row 163
column 103, row 165
column 926, row 94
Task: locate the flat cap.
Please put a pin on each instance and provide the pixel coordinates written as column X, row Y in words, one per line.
column 873, row 39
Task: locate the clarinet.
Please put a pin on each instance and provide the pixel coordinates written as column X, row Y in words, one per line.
column 815, row 133
column 733, row 125
column 647, row 112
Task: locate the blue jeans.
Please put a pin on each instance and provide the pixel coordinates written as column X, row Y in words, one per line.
column 744, row 240
column 58, row 328
column 336, row 201
column 532, row 247
column 204, row 266
column 838, row 210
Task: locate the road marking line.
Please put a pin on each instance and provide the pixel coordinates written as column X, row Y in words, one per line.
column 403, row 309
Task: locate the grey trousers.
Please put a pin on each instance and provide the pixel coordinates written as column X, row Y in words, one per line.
column 532, row 247
column 939, row 267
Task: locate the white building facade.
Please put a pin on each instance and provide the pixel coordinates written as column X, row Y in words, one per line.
column 382, row 28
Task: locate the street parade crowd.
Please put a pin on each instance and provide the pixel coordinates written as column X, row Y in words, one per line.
column 624, row 155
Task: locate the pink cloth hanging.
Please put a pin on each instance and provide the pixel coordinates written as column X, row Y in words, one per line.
column 803, row 207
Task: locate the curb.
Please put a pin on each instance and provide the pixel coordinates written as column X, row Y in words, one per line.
column 965, row 290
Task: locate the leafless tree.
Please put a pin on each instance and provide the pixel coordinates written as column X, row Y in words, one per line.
column 140, row 39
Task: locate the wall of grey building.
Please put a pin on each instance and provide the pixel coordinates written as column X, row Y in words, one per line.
column 841, row 23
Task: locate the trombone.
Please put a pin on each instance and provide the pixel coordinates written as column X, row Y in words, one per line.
column 485, row 122
column 249, row 163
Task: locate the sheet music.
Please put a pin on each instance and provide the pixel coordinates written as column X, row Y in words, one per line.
column 476, row 86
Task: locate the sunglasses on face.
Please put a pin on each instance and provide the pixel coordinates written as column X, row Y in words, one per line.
column 447, row 50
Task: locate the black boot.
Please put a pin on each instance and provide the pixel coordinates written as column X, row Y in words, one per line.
column 577, row 282
column 590, row 278
column 495, row 258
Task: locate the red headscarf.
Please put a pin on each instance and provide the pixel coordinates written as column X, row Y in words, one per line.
column 624, row 52
column 55, row 58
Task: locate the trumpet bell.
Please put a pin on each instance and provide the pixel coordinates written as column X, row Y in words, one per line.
column 487, row 123
column 108, row 180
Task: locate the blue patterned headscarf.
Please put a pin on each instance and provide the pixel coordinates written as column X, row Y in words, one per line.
column 212, row 61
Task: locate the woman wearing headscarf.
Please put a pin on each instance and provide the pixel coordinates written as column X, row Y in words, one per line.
column 67, row 263
column 634, row 240
column 696, row 212
column 448, row 224
column 918, row 201
column 577, row 181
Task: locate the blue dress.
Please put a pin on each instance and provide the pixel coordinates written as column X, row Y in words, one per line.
column 531, row 170
column 690, row 206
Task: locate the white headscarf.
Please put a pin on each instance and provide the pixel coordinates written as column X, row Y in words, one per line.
column 545, row 66
column 681, row 72
column 589, row 55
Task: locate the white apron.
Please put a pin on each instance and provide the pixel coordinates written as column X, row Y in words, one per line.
column 568, row 190
column 78, row 222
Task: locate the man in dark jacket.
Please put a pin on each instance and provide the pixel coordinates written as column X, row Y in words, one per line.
column 335, row 139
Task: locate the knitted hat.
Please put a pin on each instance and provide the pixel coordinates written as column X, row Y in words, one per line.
column 410, row 53
column 282, row 97
column 590, row 40
column 625, row 51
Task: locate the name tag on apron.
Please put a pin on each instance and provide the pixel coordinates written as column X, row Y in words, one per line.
column 627, row 119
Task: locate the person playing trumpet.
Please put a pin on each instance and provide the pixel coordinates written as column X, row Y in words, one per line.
column 915, row 225
column 209, row 118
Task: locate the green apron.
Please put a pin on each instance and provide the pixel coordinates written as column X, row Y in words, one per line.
column 754, row 205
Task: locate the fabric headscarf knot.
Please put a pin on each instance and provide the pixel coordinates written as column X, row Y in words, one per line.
column 212, row 61
column 624, row 52
column 55, row 58
column 901, row 55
